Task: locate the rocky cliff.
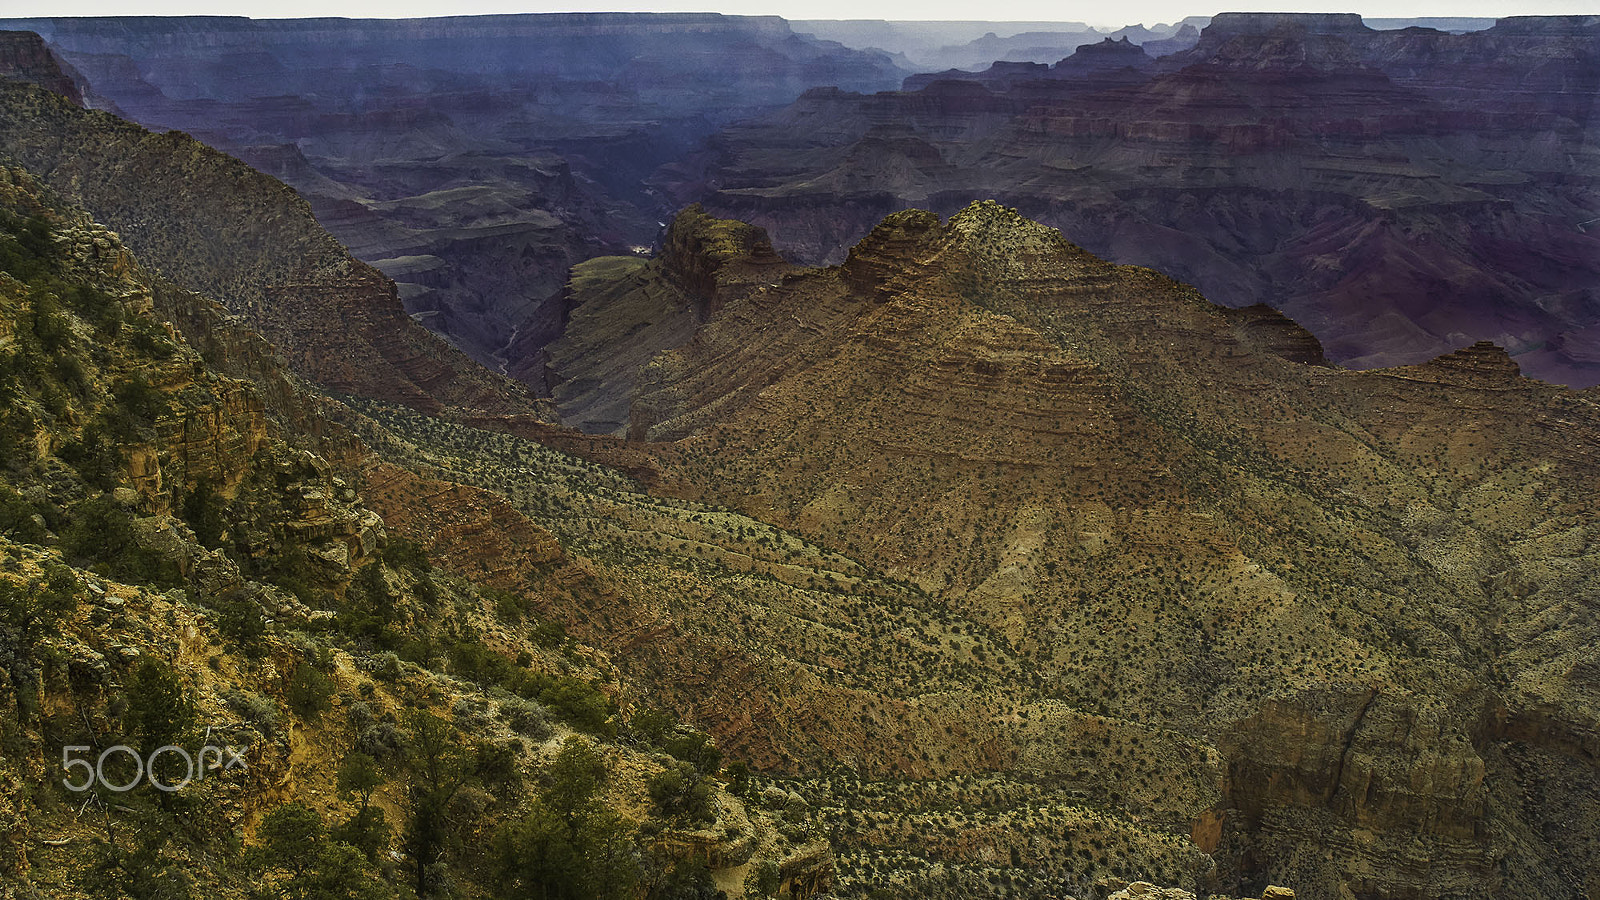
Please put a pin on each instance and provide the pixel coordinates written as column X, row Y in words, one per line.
column 24, row 57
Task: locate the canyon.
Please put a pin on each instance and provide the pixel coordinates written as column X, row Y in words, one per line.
column 1400, row 193
column 1399, row 189
column 1273, row 621
column 1005, row 569
column 471, row 159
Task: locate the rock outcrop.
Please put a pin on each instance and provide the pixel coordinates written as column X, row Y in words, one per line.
column 701, row 254
column 24, row 57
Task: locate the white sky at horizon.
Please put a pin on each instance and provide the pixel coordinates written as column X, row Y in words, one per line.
column 1101, row 14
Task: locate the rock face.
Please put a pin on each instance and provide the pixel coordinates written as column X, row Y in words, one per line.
column 702, row 255
column 1364, row 596
column 185, row 429
column 24, row 57
column 215, row 226
column 1400, row 193
column 622, row 311
column 473, row 160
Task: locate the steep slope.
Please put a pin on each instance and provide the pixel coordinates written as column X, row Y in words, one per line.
column 243, row 238
column 626, row 310
column 1335, row 628
column 184, row 580
column 1400, row 193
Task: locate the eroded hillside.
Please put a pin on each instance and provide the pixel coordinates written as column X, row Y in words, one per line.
column 189, row 565
column 1299, row 617
column 1008, row 571
column 214, row 225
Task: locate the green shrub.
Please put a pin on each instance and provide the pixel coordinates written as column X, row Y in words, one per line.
column 473, row 661
column 159, row 709
column 386, row 667
column 96, row 456
column 548, row 634
column 102, row 535
column 573, row 700
column 28, row 614
column 695, row 748
column 651, row 725
column 681, row 794
column 292, row 569
column 17, row 430
column 304, row 860
column 19, row 520
column 260, row 712
column 150, row 339
column 96, row 307
column 527, row 718
column 205, row 513
column 309, row 692
column 25, row 247
column 241, row 620
column 401, row 553
column 367, row 830
column 688, row 879
column 739, row 776
column 763, row 881
column 495, row 766
column 46, row 324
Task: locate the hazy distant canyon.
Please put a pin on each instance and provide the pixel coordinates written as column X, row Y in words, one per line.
column 1401, row 192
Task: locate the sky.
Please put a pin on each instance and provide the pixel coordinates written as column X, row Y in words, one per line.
column 1095, row 13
